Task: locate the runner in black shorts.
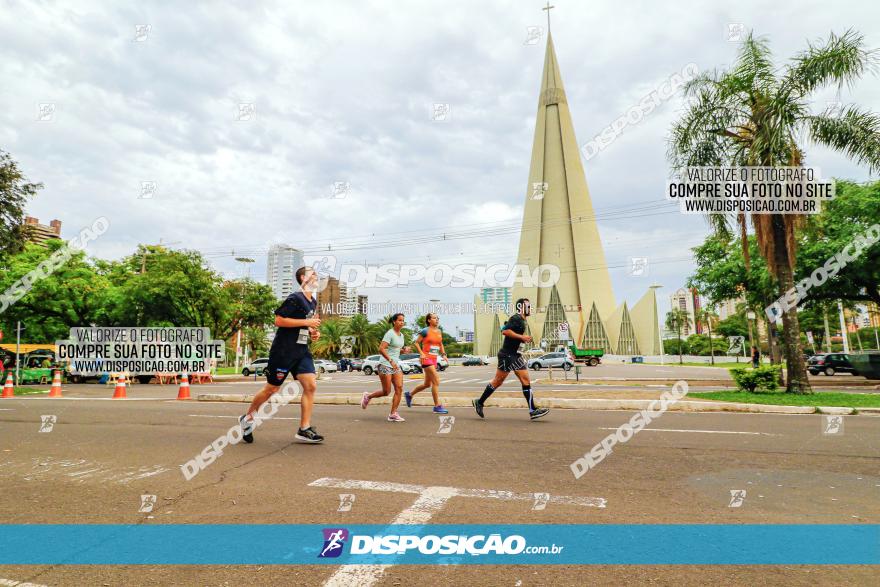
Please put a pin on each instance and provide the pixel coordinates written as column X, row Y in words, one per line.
column 297, row 325
column 510, row 359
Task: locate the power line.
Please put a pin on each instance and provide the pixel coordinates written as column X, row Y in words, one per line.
column 446, row 236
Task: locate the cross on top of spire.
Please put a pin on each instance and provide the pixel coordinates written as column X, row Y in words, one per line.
column 548, row 8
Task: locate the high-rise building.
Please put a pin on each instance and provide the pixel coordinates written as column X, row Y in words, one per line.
column 362, row 303
column 873, row 315
column 496, row 295
column 40, row 233
column 727, row 308
column 348, row 298
column 559, row 229
column 330, row 298
column 687, row 300
column 281, row 266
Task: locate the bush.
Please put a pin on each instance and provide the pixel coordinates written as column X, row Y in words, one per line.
column 764, row 379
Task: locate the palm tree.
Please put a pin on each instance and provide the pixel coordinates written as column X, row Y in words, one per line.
column 705, row 316
column 332, row 330
column 756, row 114
column 676, row 319
column 366, row 338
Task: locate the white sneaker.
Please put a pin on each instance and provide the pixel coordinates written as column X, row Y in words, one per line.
column 395, row 417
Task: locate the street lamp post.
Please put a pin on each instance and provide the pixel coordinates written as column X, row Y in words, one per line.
column 655, row 287
column 750, row 315
column 246, row 262
column 843, row 332
column 17, row 352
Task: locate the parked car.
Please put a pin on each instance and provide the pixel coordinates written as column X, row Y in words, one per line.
column 371, row 365
column 866, row 364
column 413, row 360
column 551, row 360
column 416, row 360
column 357, row 364
column 37, row 358
column 256, row 367
column 474, row 361
column 830, row 364
column 325, row 366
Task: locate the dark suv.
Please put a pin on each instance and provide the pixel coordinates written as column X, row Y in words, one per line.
column 829, row 364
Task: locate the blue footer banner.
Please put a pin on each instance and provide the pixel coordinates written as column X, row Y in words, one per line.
column 565, row 544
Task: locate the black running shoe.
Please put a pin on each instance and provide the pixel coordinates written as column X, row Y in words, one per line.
column 538, row 413
column 478, row 407
column 247, row 428
column 309, row 435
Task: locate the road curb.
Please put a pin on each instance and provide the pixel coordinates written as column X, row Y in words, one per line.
column 835, row 411
column 869, row 411
column 559, row 403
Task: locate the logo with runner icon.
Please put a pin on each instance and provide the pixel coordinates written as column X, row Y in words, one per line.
column 334, row 541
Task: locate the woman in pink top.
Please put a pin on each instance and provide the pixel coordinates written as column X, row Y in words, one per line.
column 430, row 346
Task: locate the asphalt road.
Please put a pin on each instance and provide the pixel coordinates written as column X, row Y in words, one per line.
column 102, row 456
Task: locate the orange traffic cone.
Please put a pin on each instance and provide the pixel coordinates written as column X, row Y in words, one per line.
column 8, row 389
column 55, row 390
column 183, row 391
column 119, row 392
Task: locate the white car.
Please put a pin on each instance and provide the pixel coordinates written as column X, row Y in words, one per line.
column 324, row 366
column 256, row 367
column 415, row 360
column 551, row 360
column 371, row 365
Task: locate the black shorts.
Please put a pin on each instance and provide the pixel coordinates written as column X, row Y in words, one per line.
column 508, row 363
column 278, row 368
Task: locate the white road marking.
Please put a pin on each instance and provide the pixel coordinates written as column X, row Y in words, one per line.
column 84, row 472
column 702, row 431
column 431, row 500
column 13, row 583
column 236, row 417
column 77, row 470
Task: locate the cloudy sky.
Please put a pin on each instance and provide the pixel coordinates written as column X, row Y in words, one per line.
column 343, row 92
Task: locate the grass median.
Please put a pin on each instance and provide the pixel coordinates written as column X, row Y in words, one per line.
column 820, row 398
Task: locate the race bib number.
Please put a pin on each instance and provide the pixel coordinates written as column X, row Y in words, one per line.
column 435, row 350
column 304, row 336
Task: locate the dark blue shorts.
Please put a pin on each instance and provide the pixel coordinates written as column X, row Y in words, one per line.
column 279, row 367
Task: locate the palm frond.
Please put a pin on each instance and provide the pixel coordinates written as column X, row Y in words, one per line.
column 840, row 60
column 856, row 133
column 754, row 64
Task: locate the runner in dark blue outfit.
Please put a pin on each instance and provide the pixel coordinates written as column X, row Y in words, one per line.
column 297, row 326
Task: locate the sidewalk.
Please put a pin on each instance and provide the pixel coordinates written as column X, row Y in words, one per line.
column 823, row 383
column 565, row 399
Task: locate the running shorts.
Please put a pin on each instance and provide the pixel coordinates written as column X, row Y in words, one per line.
column 508, row 363
column 279, row 367
column 388, row 369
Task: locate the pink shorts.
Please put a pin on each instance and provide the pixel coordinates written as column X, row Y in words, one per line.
column 429, row 361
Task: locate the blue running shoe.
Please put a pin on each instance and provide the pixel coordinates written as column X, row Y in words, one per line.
column 440, row 410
